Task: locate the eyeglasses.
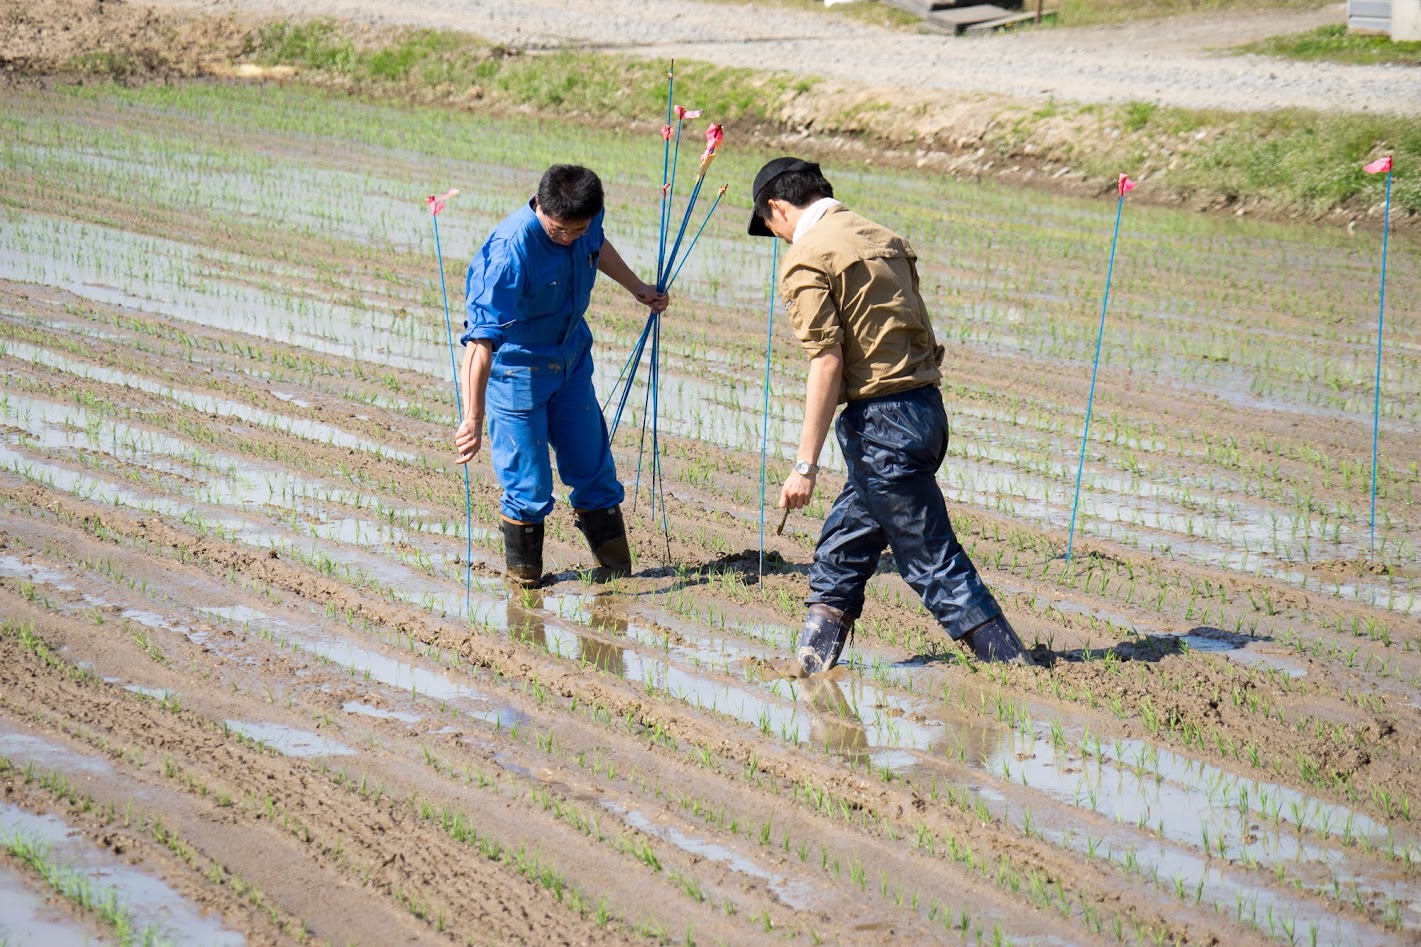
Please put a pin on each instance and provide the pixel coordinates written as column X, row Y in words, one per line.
column 558, row 232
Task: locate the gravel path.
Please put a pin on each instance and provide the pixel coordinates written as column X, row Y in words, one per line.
column 1169, row 62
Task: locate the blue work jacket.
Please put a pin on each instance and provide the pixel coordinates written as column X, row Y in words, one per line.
column 528, row 295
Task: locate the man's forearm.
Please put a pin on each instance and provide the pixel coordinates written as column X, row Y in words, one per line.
column 826, row 380
column 478, row 361
column 611, row 264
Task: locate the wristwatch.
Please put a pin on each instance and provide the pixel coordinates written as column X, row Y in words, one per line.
column 805, row 469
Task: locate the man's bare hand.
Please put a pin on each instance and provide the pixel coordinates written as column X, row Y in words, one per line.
column 469, row 438
column 795, row 494
column 650, row 297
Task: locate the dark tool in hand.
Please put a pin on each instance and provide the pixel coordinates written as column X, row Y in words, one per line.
column 780, row 530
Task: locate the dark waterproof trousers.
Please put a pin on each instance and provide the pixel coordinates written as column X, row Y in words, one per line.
column 893, row 447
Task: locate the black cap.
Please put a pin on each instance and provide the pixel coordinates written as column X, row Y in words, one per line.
column 768, row 173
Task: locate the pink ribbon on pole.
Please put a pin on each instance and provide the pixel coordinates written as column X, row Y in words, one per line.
column 1379, row 166
column 1125, row 185
column 436, row 204
column 666, row 132
column 714, row 136
column 684, row 113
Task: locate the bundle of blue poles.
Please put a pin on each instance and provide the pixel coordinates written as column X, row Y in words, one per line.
column 668, row 266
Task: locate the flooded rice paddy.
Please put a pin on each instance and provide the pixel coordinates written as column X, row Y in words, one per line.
column 244, row 665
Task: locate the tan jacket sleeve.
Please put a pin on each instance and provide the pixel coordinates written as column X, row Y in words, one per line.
column 813, row 314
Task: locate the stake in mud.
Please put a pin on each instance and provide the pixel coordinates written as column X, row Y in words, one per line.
column 1382, row 165
column 437, row 204
column 1123, row 187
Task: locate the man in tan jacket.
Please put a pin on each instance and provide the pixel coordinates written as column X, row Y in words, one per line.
column 851, row 289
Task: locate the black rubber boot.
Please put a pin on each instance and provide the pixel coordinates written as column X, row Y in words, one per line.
column 995, row 640
column 523, row 553
column 822, row 640
column 606, row 533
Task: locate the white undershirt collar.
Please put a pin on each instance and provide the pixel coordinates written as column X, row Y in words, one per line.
column 810, row 216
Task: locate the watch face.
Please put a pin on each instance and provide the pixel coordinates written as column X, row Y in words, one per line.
column 803, row 468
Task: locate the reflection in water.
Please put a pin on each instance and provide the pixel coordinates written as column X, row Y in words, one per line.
column 609, row 619
column 861, row 725
column 836, row 726
column 526, row 610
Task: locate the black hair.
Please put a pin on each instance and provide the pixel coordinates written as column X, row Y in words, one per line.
column 570, row 192
column 798, row 188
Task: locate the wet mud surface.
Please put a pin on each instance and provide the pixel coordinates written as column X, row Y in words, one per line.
column 238, row 650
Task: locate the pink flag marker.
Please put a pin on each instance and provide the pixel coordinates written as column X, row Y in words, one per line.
column 436, row 204
column 666, row 132
column 684, row 113
column 1379, row 166
column 1123, row 186
column 714, row 136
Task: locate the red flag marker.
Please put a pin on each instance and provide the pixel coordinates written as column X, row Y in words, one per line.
column 684, row 113
column 1379, row 166
column 1125, row 185
column 666, row 133
column 436, row 204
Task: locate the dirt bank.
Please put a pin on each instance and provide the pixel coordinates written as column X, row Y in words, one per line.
column 1252, row 164
column 1171, row 63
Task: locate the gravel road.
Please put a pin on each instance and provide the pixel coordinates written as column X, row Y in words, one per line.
column 1172, row 62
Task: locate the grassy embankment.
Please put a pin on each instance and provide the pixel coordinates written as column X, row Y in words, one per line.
column 1335, row 44
column 1092, row 12
column 1296, row 162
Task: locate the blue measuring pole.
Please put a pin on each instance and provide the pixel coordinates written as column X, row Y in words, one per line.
column 765, row 427
column 1090, row 401
column 1377, row 404
column 459, row 417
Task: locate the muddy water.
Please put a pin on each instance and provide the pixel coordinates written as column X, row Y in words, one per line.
column 152, row 904
column 31, row 920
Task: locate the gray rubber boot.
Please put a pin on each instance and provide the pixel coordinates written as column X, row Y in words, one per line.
column 822, row 640
column 523, row 554
column 606, row 533
column 996, row 640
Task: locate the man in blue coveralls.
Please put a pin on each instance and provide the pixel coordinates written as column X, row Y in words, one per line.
column 528, row 361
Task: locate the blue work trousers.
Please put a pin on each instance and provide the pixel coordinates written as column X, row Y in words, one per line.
column 539, row 398
column 893, row 447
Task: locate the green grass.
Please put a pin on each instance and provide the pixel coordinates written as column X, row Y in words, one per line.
column 451, row 65
column 1296, row 161
column 1091, row 12
column 1335, row 44
column 1295, row 157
